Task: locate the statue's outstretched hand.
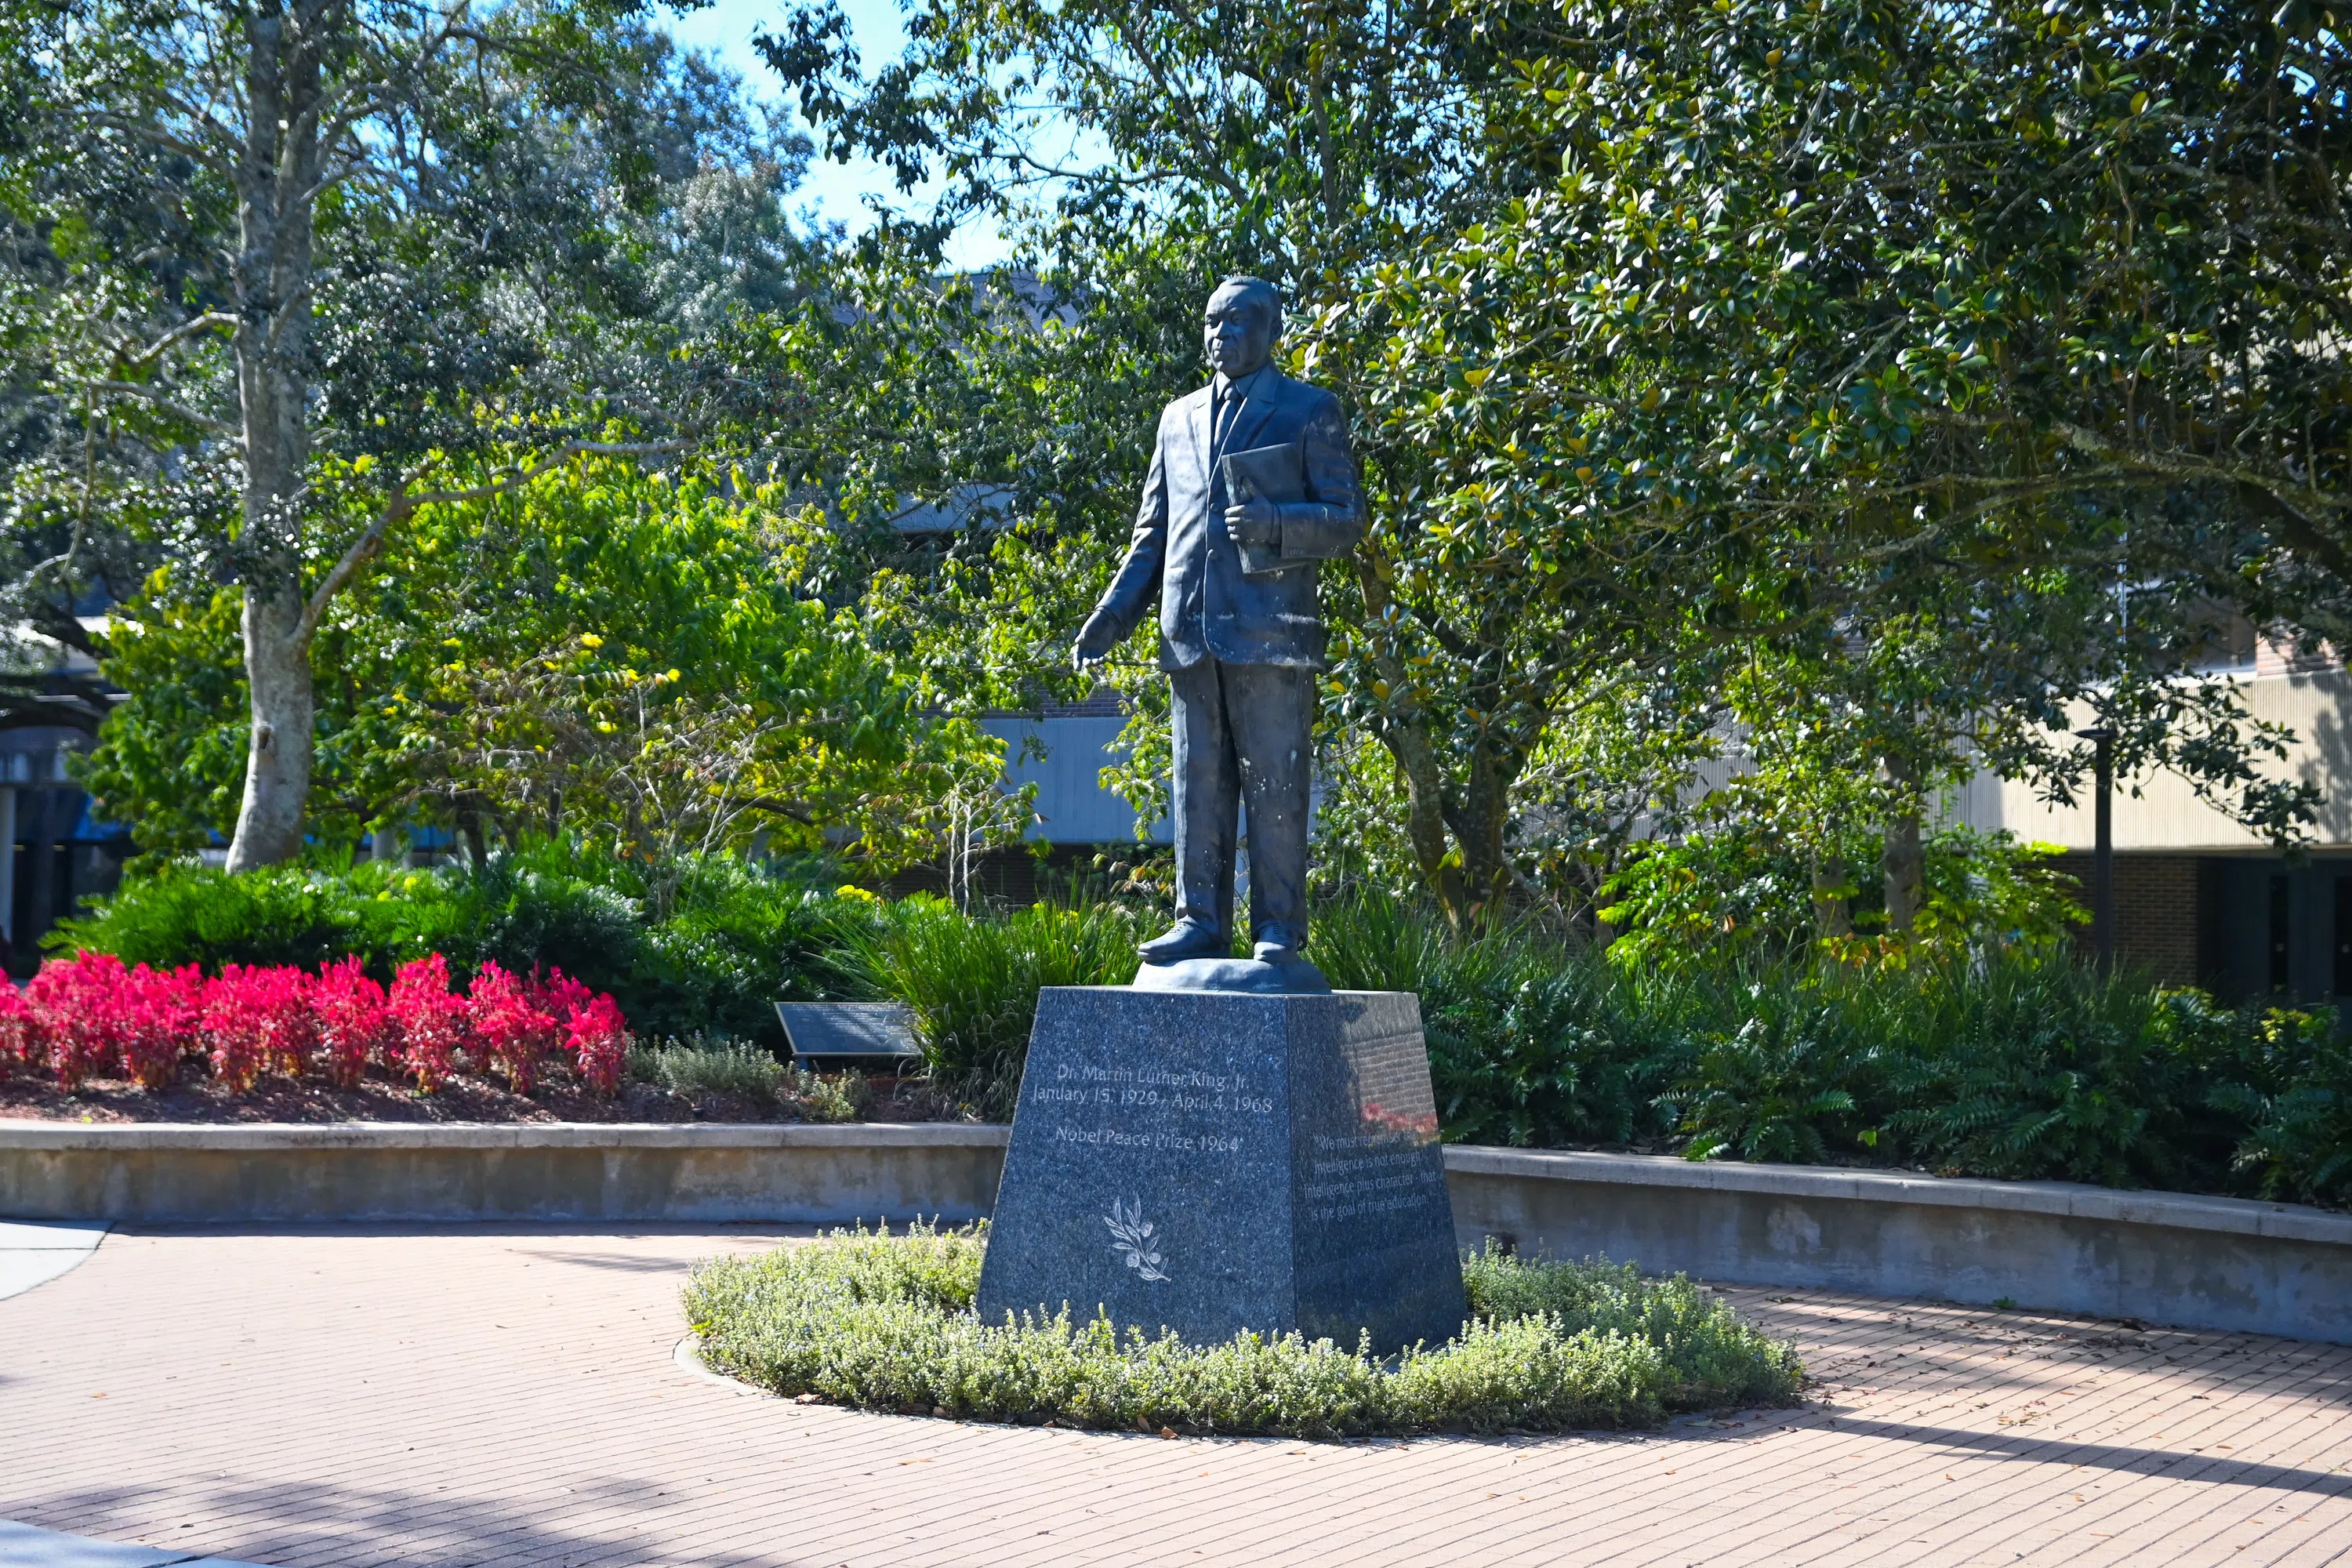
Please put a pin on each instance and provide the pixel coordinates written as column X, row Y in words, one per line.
column 1095, row 639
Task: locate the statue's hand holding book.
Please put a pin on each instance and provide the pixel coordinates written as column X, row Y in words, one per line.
column 1258, row 484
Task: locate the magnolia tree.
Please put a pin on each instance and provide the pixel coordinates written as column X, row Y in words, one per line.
column 1942, row 372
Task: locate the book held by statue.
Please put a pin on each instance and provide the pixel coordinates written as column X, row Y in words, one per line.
column 1277, row 474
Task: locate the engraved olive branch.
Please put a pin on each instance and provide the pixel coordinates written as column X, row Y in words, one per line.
column 1131, row 1237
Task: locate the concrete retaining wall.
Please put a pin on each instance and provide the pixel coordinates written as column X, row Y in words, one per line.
column 2163, row 1258
column 2208, row 1263
column 353, row 1171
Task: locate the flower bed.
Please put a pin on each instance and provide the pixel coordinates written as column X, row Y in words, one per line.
column 886, row 1323
column 91, row 1018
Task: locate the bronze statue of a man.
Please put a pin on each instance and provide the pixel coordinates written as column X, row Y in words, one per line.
column 1239, row 634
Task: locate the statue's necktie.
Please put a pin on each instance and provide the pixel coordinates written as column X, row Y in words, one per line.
column 1229, row 402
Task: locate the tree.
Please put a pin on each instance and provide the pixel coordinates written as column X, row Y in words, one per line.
column 170, row 759
column 1318, row 147
column 1900, row 351
column 624, row 659
column 402, row 239
column 1746, row 334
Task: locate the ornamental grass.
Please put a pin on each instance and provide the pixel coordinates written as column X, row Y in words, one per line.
column 885, row 1322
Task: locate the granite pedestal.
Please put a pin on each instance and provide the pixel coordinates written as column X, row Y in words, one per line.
column 1210, row 1162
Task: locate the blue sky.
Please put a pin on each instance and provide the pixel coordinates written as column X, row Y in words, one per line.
column 835, row 191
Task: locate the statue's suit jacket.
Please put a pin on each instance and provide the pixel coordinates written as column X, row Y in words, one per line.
column 1208, row 607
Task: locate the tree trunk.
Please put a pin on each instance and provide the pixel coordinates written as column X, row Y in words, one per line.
column 1408, row 741
column 277, row 179
column 1903, row 861
column 1458, row 834
column 469, row 830
column 277, row 753
column 1480, row 827
column 1832, row 915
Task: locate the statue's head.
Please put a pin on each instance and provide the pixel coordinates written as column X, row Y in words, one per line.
column 1240, row 326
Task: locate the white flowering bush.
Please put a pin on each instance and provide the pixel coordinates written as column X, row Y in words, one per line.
column 885, row 1322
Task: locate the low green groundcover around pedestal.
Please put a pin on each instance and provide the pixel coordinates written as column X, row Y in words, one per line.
column 885, row 1322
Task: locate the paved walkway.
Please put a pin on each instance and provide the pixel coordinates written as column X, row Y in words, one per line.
column 344, row 1397
column 22, row 1546
column 33, row 1252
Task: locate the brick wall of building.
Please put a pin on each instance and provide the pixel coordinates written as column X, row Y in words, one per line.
column 2156, row 913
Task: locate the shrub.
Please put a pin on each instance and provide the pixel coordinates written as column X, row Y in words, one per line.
column 707, row 1067
column 1367, row 942
column 2010, row 1060
column 2034, row 1069
column 87, row 1016
column 21, row 1042
column 739, row 940
column 1713, row 1358
column 354, row 1021
column 598, row 1038
column 973, row 982
column 885, row 1322
column 700, row 1066
column 2294, row 1095
column 544, row 907
column 737, row 943
column 1548, row 1059
column 1780, row 1087
column 187, row 913
column 279, row 998
column 510, row 1027
column 594, row 1033
column 558, row 993
column 1531, row 1042
column 843, row 1096
column 256, row 1019
column 2014, row 1063
column 82, row 1021
column 431, row 1020
column 164, row 1011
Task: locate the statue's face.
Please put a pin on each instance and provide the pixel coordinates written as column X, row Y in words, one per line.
column 1236, row 332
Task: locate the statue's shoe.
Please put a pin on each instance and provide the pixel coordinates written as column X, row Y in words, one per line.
column 1295, row 978
column 1276, row 953
column 1186, row 938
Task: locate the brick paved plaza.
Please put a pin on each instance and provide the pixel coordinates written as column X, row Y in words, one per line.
column 346, row 1397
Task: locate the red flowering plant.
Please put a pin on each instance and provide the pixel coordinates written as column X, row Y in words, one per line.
column 77, row 1005
column 20, row 1029
column 595, row 1035
column 430, row 1017
column 353, row 1019
column 511, row 1026
column 556, row 994
column 255, row 1019
column 598, row 1037
column 162, row 1016
column 289, row 1032
column 87, row 1016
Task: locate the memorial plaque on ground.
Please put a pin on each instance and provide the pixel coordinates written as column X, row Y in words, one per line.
column 1212, row 1162
column 864, row 1034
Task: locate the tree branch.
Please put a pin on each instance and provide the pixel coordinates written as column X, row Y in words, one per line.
column 155, row 399
column 185, row 329
column 164, row 138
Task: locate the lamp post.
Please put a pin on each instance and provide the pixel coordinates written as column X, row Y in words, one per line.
column 2103, row 846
